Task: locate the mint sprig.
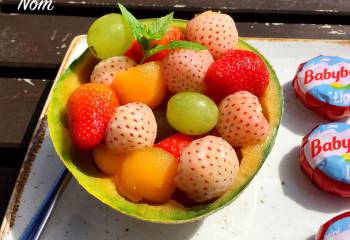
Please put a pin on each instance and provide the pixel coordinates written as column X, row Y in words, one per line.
column 138, row 29
column 160, row 26
column 174, row 45
column 154, row 31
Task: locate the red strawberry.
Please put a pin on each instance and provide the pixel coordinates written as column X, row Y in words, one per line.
column 184, row 70
column 207, row 168
column 237, row 70
column 135, row 52
column 241, row 121
column 175, row 144
column 216, row 31
column 106, row 70
column 89, row 109
column 172, row 35
column 131, row 127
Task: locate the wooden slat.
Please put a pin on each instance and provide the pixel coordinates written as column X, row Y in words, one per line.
column 294, row 30
column 7, row 179
column 333, row 7
column 21, row 101
column 37, row 40
column 287, row 11
column 41, row 41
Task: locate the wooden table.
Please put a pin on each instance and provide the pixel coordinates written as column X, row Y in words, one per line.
column 33, row 43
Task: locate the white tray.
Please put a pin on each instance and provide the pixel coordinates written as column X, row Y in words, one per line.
column 280, row 203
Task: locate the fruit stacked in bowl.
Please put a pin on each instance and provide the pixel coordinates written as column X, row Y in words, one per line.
column 165, row 120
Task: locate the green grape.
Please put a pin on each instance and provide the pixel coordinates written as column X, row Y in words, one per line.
column 192, row 113
column 109, row 35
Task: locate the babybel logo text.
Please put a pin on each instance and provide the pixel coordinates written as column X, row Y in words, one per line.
column 33, row 5
column 335, row 144
column 325, row 75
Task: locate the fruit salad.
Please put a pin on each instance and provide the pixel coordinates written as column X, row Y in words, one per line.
column 174, row 114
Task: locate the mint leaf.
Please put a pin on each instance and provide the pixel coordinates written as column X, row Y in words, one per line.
column 176, row 44
column 138, row 29
column 160, row 26
column 144, row 34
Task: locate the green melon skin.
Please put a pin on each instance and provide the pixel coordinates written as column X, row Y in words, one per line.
column 80, row 163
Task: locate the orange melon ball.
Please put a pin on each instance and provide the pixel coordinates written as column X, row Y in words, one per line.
column 106, row 160
column 143, row 83
column 149, row 174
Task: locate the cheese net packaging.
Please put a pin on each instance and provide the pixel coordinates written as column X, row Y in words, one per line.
column 338, row 228
column 323, row 85
column 325, row 157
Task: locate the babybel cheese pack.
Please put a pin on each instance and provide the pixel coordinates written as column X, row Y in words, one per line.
column 323, row 85
column 325, row 157
column 338, row 228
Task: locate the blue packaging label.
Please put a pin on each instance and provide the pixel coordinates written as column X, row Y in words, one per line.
column 339, row 230
column 326, row 78
column 328, row 148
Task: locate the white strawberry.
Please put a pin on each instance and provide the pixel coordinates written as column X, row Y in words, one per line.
column 207, row 168
column 241, row 120
column 132, row 126
column 184, row 70
column 216, row 31
column 105, row 71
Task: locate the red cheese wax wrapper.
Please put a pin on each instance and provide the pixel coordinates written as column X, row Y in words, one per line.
column 323, row 85
column 338, row 228
column 325, row 157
